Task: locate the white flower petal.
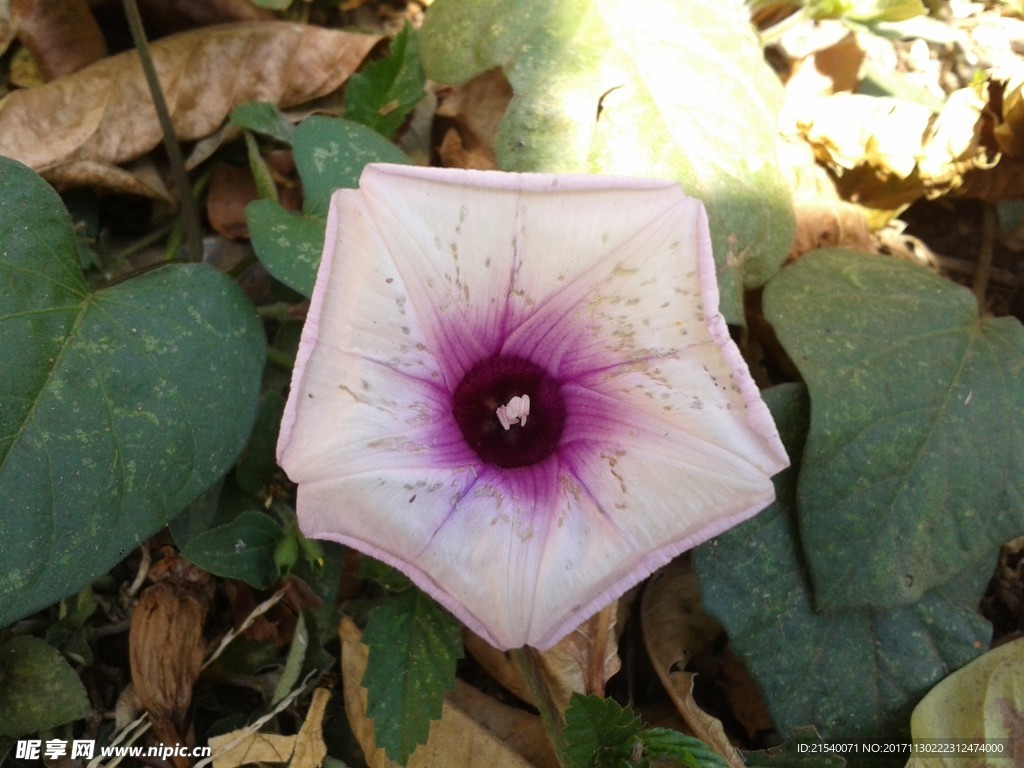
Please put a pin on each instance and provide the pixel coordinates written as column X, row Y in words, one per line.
column 606, row 284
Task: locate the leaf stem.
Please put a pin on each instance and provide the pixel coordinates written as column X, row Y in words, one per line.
column 527, row 659
column 193, row 234
column 988, row 236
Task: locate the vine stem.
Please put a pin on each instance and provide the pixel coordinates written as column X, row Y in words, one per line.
column 528, row 661
column 193, row 234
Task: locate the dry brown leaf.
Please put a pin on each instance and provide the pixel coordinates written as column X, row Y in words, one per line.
column 825, row 58
column 247, row 746
column 166, row 645
column 310, row 749
column 62, row 35
column 582, row 662
column 474, row 111
column 104, row 114
column 165, row 17
column 888, row 152
column 823, row 223
column 231, row 189
column 474, row 728
column 230, row 750
column 675, row 628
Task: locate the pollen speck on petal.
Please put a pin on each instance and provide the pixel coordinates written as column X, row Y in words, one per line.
column 517, row 389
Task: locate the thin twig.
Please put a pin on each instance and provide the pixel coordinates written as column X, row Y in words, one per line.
column 193, row 234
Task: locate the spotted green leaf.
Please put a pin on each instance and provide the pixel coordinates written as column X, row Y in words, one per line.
column 852, row 673
column 117, row 406
column 914, row 464
column 414, row 645
column 330, row 154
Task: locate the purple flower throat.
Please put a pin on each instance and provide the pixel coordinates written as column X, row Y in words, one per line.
column 510, row 411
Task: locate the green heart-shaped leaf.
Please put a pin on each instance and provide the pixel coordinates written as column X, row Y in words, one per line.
column 914, row 466
column 330, row 154
column 117, row 407
column 854, row 674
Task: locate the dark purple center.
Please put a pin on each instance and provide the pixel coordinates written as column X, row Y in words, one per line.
column 492, row 383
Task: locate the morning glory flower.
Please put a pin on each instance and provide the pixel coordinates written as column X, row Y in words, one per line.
column 518, row 390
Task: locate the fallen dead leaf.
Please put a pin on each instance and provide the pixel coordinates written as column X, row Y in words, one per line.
column 303, row 750
column 310, row 749
column 473, row 111
column 675, row 628
column 103, row 115
column 474, row 728
column 886, row 152
column 165, row 17
column 582, row 662
column 62, row 35
column 233, row 749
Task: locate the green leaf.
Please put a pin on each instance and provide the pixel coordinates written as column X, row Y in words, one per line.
column 600, row 88
column 289, row 245
column 854, row 674
column 330, row 154
column 117, row 407
column 38, row 689
column 914, row 464
column 414, row 645
column 263, row 118
column 242, row 549
column 258, row 461
column 386, row 91
column 599, row 732
column 664, row 743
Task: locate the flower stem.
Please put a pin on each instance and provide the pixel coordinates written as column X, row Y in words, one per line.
column 193, row 233
column 527, row 659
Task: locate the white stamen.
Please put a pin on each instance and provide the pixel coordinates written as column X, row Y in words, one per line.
column 515, row 412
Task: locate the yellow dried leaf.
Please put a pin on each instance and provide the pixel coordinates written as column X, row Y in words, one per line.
column 237, row 748
column 888, row 152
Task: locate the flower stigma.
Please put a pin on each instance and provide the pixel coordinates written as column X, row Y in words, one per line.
column 515, row 412
column 511, row 388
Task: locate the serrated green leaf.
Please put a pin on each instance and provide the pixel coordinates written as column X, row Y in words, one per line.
column 414, row 645
column 38, row 688
column 598, row 89
column 117, row 407
column 330, row 154
column 242, row 549
column 854, row 674
column 386, row 91
column 263, row 118
column 599, row 732
column 664, row 743
column 915, row 459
